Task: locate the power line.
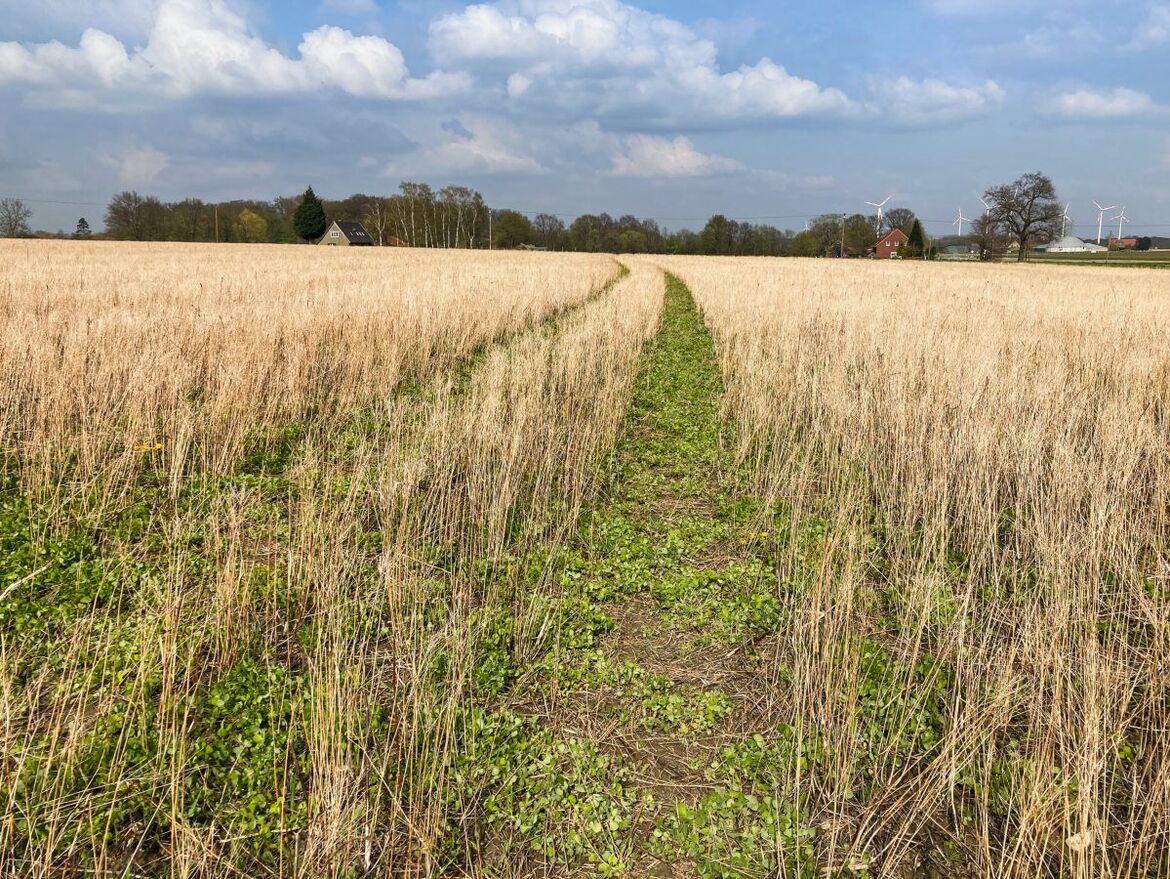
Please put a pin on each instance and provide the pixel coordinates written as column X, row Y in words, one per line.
column 743, row 218
column 574, row 216
column 93, row 204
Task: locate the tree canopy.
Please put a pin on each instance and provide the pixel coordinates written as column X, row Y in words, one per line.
column 860, row 235
column 134, row 217
column 250, row 227
column 510, row 229
column 901, row 218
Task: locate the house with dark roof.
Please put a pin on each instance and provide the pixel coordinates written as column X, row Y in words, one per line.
column 345, row 234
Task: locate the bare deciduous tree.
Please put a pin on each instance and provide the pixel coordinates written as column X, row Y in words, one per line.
column 377, row 217
column 900, row 218
column 550, row 231
column 14, row 217
column 134, row 217
column 1027, row 210
column 989, row 237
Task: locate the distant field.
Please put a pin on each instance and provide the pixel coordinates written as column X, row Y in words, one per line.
column 1149, row 258
column 400, row 563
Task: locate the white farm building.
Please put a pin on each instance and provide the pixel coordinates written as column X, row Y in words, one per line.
column 1071, row 244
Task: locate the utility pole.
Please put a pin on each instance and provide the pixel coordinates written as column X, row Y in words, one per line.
column 489, row 228
column 217, row 224
column 841, row 252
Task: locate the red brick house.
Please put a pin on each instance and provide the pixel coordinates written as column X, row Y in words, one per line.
column 887, row 248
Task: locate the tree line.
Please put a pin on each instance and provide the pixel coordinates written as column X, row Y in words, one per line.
column 420, row 216
column 602, row 233
column 454, row 216
column 1020, row 216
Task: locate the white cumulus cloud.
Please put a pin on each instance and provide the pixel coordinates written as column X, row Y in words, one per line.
column 469, row 145
column 645, row 155
column 934, row 101
column 1154, row 31
column 1089, row 103
column 610, row 59
column 142, row 165
column 203, row 47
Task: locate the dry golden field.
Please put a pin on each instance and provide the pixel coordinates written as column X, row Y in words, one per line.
column 381, row 563
column 990, row 450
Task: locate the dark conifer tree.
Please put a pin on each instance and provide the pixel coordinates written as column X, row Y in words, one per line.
column 309, row 219
column 916, row 246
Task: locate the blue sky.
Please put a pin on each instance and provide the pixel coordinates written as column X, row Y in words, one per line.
column 776, row 111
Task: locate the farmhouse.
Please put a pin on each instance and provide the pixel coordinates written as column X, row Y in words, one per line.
column 344, row 234
column 887, row 248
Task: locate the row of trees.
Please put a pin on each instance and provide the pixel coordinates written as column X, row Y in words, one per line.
column 1022, row 214
column 420, row 216
column 601, row 233
column 454, row 216
column 857, row 235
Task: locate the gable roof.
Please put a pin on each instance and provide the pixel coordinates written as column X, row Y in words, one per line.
column 353, row 231
column 892, row 233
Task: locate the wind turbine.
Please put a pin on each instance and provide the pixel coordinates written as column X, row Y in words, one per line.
column 986, row 205
column 1101, row 211
column 1121, row 220
column 960, row 221
column 880, row 210
column 1064, row 220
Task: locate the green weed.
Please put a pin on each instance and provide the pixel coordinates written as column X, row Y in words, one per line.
column 516, row 785
column 248, row 757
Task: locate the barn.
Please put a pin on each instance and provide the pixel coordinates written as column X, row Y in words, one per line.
column 1071, row 244
column 344, row 234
